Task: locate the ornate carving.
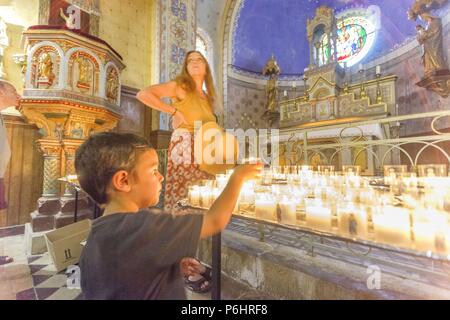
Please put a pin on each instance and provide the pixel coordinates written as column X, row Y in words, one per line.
column 52, row 166
column 324, row 16
column 112, row 86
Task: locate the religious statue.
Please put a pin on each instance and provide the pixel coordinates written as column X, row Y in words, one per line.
column 432, row 44
column 112, row 86
column 45, row 69
column 272, row 70
column 77, row 131
column 84, row 75
column 437, row 75
column 59, row 132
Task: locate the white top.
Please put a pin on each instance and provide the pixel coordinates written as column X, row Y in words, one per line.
column 5, row 150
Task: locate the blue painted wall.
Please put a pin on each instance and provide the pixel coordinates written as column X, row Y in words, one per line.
column 278, row 27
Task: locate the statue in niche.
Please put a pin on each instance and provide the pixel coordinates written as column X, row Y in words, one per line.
column 432, row 44
column 45, row 69
column 84, row 73
column 112, row 87
column 77, row 131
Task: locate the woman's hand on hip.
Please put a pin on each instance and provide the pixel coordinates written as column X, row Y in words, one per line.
column 177, row 120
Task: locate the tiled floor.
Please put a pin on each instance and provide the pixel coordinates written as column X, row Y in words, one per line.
column 34, row 278
column 31, row 278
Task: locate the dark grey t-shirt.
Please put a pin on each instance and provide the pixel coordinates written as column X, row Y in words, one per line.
column 137, row 256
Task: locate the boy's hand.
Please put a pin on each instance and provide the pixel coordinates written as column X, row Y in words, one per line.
column 248, row 171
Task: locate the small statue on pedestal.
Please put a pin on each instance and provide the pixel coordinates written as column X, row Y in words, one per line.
column 272, row 70
column 45, row 70
column 436, row 73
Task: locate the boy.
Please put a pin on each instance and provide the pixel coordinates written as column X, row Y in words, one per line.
column 133, row 252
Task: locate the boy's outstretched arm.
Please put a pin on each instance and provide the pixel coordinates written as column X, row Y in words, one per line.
column 218, row 216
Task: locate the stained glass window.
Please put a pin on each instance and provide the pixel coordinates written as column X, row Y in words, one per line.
column 355, row 37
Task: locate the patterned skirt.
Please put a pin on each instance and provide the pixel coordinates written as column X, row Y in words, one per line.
column 182, row 172
column 3, row 204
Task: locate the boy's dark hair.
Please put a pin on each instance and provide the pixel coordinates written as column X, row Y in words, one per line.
column 102, row 155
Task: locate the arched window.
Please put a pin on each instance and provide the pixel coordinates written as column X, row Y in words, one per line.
column 355, row 37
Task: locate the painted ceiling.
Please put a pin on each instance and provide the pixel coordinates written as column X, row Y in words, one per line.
column 278, row 27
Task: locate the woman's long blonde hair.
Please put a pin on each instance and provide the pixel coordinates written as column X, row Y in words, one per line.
column 185, row 81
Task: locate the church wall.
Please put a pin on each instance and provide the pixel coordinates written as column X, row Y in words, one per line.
column 127, row 27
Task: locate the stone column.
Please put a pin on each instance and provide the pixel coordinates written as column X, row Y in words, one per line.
column 66, row 215
column 48, row 205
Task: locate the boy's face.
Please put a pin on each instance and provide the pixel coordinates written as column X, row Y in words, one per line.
column 146, row 186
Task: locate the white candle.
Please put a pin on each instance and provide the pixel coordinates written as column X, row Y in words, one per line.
column 352, row 221
column 206, row 197
column 266, row 208
column 393, row 226
column 194, row 196
column 430, row 229
column 318, row 216
column 288, row 210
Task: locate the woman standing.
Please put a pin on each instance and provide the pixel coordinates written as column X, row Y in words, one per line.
column 190, row 104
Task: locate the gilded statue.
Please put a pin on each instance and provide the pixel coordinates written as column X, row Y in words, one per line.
column 45, row 67
column 84, row 71
column 112, row 86
column 432, row 44
column 272, row 70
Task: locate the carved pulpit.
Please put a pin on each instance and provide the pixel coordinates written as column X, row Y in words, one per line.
column 72, row 89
